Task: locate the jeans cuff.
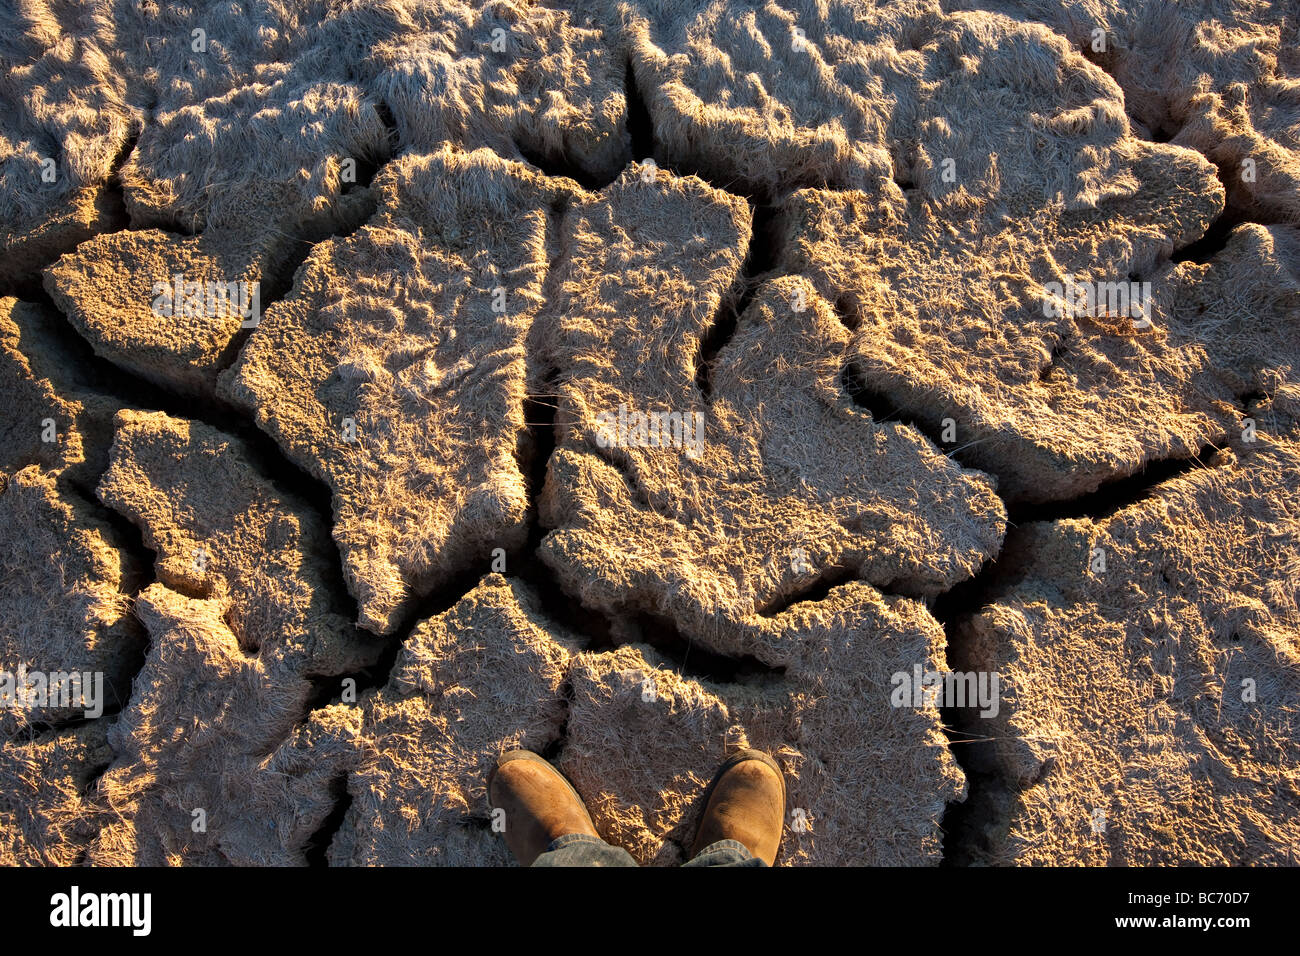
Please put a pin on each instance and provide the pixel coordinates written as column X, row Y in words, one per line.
column 563, row 841
column 735, row 845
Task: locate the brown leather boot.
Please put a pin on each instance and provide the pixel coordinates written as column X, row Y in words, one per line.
column 539, row 804
column 745, row 802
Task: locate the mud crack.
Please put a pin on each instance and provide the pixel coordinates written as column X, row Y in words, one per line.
column 761, row 260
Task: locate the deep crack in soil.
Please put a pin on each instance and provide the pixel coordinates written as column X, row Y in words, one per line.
column 1118, row 493
column 1234, row 214
column 318, row 844
column 761, row 259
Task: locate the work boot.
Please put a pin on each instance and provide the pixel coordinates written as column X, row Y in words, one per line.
column 745, row 802
column 539, row 804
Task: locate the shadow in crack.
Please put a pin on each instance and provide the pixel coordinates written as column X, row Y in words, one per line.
column 317, row 848
column 1119, row 493
column 762, row 258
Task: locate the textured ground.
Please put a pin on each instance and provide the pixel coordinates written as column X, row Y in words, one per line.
column 333, row 556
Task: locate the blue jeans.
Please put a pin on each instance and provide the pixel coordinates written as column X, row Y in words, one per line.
column 579, row 849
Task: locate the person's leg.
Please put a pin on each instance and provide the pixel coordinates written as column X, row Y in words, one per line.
column 725, row 853
column 744, row 814
column 545, row 821
column 580, row 849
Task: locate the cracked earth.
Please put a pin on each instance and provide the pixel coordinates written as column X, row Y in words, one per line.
column 331, row 561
